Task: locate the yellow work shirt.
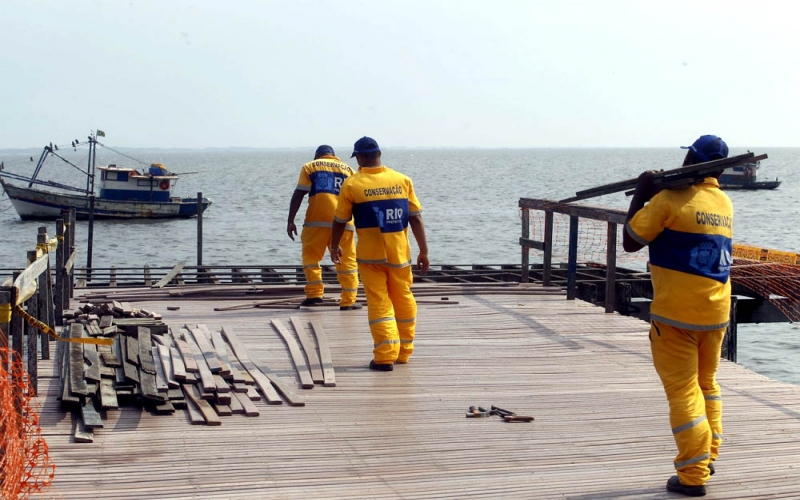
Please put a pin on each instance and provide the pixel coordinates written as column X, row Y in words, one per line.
column 322, row 179
column 689, row 234
column 380, row 200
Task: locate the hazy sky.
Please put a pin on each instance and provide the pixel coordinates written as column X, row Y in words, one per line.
column 176, row 73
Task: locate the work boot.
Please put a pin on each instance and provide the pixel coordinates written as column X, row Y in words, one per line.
column 381, row 367
column 674, row 485
column 351, row 307
column 315, row 301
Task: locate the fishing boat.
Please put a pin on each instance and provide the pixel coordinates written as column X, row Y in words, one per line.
column 125, row 193
column 745, row 177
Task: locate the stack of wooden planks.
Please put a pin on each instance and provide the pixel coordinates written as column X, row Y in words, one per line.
column 207, row 373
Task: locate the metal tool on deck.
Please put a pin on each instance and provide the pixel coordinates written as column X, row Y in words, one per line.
column 506, row 415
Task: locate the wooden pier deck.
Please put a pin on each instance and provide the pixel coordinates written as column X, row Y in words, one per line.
column 601, row 428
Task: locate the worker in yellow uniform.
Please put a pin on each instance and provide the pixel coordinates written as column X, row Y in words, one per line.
column 689, row 234
column 321, row 179
column 383, row 204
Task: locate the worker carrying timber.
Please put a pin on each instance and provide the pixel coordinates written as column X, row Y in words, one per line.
column 383, row 204
column 322, row 179
column 689, row 234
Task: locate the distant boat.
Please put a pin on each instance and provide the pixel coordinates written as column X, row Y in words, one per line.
column 745, row 177
column 125, row 193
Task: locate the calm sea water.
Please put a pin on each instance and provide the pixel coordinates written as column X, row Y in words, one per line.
column 469, row 200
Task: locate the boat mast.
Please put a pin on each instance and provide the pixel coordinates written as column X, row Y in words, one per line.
column 91, row 164
column 39, row 165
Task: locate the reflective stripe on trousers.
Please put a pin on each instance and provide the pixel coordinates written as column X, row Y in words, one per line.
column 391, row 309
column 687, row 362
column 316, row 241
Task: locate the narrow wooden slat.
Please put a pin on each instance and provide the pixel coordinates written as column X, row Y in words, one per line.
column 248, row 408
column 205, row 349
column 91, row 418
column 186, row 354
column 81, row 433
column 108, row 396
column 193, row 397
column 299, row 360
column 310, row 348
column 169, row 276
column 261, row 379
column 77, row 383
column 178, row 368
column 206, row 377
column 328, row 372
column 166, row 363
column 93, row 362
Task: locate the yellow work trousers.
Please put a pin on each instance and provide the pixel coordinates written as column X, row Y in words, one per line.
column 687, row 362
column 315, row 241
column 392, row 311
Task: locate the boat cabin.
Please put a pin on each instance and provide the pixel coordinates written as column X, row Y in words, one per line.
column 128, row 184
column 745, row 177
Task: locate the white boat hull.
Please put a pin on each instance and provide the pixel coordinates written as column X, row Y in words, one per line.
column 39, row 204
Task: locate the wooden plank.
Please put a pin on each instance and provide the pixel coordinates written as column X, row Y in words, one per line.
column 235, row 406
column 132, row 350
column 91, row 418
column 108, row 396
column 77, row 383
column 193, row 397
column 193, row 414
column 206, row 377
column 222, row 352
column 162, row 385
column 310, row 348
column 178, row 368
column 261, row 379
column 91, row 358
column 205, row 349
column 169, row 276
column 105, row 320
column 110, row 359
column 248, row 408
column 146, row 361
column 186, row 354
column 148, row 388
column 261, row 373
column 252, row 393
column 129, row 369
column 166, row 363
column 222, row 386
column 328, row 372
column 224, row 369
column 81, row 433
column 222, row 410
column 299, row 360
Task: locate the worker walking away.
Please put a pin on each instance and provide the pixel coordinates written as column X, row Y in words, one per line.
column 689, row 233
column 383, row 204
column 322, row 179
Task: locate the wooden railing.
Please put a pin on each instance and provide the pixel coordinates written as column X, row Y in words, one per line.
column 32, row 297
column 575, row 212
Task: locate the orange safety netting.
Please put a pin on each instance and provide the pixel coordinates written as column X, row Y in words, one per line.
column 772, row 274
column 25, row 466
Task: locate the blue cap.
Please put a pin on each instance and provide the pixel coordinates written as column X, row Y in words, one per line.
column 708, row 148
column 365, row 145
column 324, row 150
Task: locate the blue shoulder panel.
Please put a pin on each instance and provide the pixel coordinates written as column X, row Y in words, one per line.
column 389, row 215
column 324, row 181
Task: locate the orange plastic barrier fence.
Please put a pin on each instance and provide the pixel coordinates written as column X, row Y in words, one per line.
column 25, row 466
